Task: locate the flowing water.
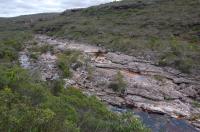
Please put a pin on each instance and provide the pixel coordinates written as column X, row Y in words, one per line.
column 158, row 122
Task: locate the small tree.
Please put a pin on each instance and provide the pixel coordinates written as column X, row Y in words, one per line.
column 118, row 84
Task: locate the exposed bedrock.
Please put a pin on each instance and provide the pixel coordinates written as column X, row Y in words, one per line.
column 148, row 86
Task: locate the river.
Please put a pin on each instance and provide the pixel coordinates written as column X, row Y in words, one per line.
column 159, row 122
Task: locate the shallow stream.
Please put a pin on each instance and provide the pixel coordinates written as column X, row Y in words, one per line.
column 159, row 122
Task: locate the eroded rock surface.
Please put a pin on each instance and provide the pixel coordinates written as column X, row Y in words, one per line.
column 150, row 87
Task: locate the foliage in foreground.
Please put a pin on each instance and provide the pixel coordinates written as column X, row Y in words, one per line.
column 28, row 105
column 9, row 48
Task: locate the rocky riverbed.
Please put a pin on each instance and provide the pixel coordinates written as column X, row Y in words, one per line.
column 149, row 87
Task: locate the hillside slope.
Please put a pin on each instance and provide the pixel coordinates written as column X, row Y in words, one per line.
column 40, row 75
column 165, row 31
column 28, row 104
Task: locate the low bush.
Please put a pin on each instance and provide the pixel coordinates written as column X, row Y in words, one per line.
column 180, row 55
column 42, row 49
column 196, row 104
column 34, row 56
column 65, row 60
column 11, row 44
column 118, row 84
column 29, row 105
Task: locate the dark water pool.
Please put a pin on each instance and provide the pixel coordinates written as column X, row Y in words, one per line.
column 160, row 123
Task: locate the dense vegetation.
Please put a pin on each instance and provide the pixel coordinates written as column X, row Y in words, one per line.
column 28, row 104
column 165, row 31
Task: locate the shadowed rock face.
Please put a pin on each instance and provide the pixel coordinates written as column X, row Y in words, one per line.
column 152, row 88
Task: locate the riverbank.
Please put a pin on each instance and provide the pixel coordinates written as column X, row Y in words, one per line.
column 148, row 86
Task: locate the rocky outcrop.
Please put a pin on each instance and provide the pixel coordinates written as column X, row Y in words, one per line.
column 148, row 86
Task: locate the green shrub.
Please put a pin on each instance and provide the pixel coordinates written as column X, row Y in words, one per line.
column 90, row 71
column 180, row 55
column 11, row 43
column 64, row 66
column 196, row 104
column 154, row 44
column 34, row 56
column 18, row 114
column 66, row 59
column 42, row 49
column 8, row 53
column 27, row 104
column 185, row 65
column 56, row 86
column 159, row 78
column 118, row 84
column 11, row 76
column 46, row 48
